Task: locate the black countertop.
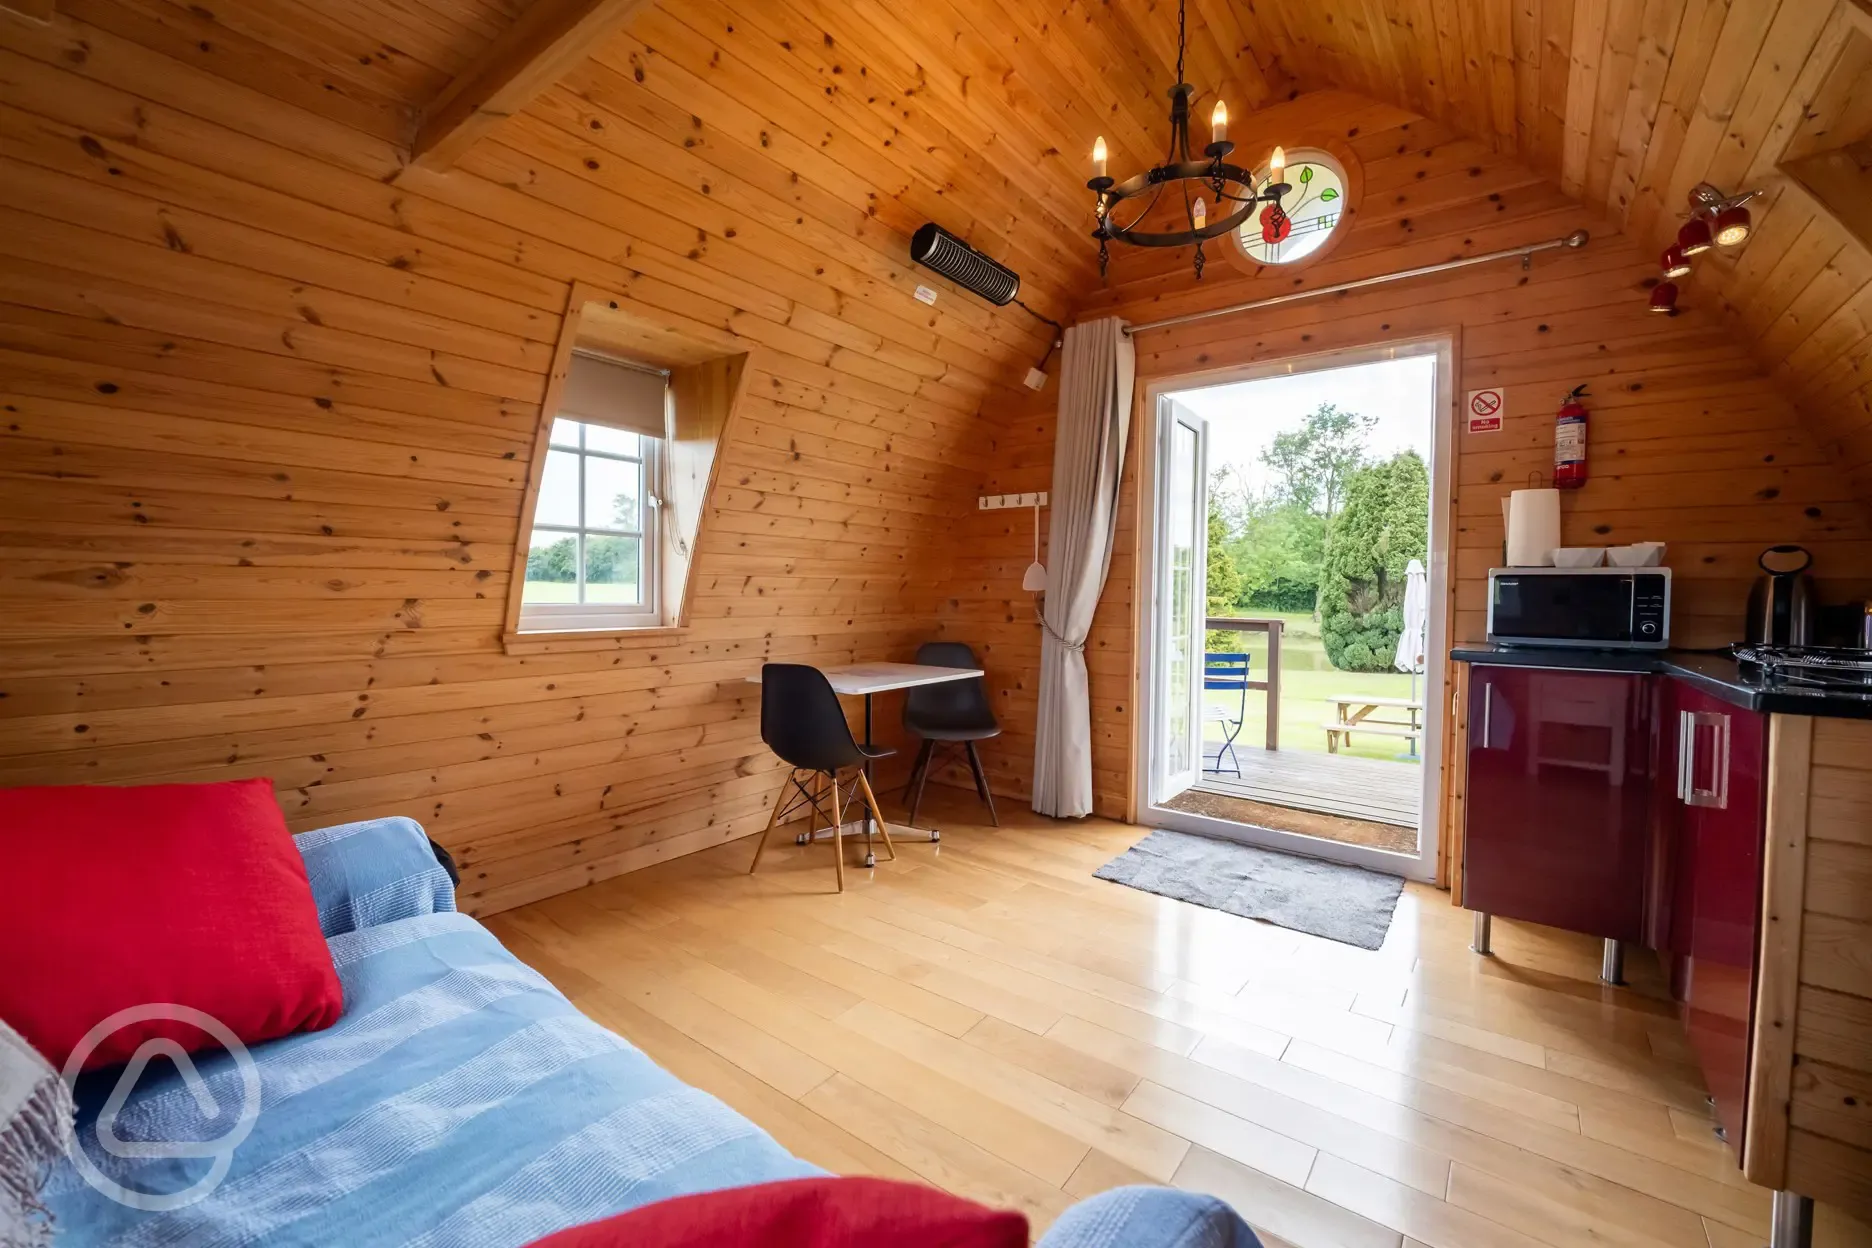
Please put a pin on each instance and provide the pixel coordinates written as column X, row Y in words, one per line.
column 1715, row 674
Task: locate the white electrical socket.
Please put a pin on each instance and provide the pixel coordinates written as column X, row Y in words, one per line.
column 1035, row 380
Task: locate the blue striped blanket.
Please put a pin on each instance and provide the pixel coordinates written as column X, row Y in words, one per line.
column 460, row 1102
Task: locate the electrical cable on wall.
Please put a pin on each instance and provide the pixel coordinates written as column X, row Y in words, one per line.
column 936, row 248
column 1058, row 340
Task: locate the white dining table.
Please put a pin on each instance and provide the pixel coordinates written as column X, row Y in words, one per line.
column 866, row 680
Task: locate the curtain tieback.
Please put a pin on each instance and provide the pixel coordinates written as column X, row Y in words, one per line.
column 1070, row 645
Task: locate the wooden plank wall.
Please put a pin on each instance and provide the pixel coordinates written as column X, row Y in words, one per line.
column 986, row 607
column 1691, row 443
column 268, row 406
column 1830, row 1119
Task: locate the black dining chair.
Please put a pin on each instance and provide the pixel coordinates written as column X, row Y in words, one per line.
column 803, row 723
column 955, row 712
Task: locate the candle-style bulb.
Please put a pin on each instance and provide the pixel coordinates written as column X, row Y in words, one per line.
column 1218, row 123
column 1199, row 213
column 1276, row 164
column 1098, row 157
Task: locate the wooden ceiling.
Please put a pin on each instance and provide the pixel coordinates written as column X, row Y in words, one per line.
column 1627, row 104
column 981, row 114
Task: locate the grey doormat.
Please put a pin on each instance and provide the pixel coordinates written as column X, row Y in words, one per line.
column 1347, row 904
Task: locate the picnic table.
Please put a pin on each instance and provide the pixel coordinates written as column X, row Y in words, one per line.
column 1352, row 713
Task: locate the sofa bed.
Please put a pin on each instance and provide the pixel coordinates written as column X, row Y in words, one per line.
column 459, row 1099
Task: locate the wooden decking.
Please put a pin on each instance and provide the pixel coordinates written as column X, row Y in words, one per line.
column 1333, row 784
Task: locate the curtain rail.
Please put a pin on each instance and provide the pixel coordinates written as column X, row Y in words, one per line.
column 1578, row 238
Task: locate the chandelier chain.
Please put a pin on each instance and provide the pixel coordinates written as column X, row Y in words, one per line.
column 1212, row 172
column 1182, row 36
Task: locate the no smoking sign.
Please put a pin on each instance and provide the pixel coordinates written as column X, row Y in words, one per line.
column 1484, row 410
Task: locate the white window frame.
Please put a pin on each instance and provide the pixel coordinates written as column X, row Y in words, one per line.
column 544, row 617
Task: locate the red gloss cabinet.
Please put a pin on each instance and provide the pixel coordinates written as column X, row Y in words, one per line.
column 1718, row 766
column 1559, row 807
column 1629, row 807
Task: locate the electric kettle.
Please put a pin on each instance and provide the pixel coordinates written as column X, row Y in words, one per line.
column 1782, row 606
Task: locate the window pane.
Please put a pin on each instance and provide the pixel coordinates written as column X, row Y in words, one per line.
column 1309, row 212
column 611, row 570
column 558, row 500
column 613, row 494
column 612, row 441
column 552, row 568
column 565, row 433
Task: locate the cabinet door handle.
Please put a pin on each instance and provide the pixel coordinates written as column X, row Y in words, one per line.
column 1686, row 754
column 1717, row 794
column 1488, row 707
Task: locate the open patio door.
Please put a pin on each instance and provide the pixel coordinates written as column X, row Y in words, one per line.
column 1180, row 602
column 1296, row 768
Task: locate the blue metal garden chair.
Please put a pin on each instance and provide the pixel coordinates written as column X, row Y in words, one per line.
column 1228, row 672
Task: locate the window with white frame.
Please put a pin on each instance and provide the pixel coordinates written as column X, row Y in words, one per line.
column 592, row 557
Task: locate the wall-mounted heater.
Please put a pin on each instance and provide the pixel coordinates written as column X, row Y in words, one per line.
column 936, row 248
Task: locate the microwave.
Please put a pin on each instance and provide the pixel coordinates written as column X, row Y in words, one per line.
column 1583, row 608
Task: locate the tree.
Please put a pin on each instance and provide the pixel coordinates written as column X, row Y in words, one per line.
column 1278, row 550
column 1223, row 579
column 1312, row 463
column 1384, row 524
column 557, row 562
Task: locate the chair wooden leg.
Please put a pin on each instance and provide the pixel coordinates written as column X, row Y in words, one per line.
column 772, row 819
column 925, row 760
column 981, row 783
column 877, row 815
column 838, row 833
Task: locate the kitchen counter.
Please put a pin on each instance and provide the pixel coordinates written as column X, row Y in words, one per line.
column 1715, row 674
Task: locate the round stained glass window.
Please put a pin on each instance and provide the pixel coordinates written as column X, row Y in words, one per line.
column 1308, row 214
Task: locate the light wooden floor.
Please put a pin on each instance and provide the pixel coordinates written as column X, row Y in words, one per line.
column 1334, row 784
column 984, row 1015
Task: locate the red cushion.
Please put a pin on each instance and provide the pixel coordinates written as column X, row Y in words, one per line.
column 805, row 1213
column 184, row 894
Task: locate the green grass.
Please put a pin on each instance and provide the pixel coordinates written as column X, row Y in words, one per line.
column 1307, row 679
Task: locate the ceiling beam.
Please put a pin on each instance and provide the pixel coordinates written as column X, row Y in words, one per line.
column 548, row 40
column 1859, row 13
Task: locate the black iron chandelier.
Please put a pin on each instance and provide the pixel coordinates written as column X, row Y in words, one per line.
column 1179, row 168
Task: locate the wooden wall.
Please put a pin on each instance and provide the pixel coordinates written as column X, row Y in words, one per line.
column 1829, row 1139
column 268, row 404
column 269, row 393
column 1691, row 443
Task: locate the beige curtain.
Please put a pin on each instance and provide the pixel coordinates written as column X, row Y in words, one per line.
column 1097, row 367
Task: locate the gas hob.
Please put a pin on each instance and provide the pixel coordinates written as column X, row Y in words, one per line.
column 1820, row 667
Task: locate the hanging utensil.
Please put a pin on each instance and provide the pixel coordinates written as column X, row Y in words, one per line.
column 1034, row 580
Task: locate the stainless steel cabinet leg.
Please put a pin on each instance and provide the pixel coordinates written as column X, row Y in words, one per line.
column 1612, row 962
column 1791, row 1223
column 1480, row 942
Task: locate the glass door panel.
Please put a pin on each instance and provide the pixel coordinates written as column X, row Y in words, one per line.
column 1183, row 563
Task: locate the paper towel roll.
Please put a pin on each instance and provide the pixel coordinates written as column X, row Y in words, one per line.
column 1533, row 528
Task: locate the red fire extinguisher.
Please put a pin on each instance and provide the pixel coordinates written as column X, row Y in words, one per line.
column 1569, row 444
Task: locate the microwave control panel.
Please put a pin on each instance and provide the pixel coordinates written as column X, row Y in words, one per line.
column 1650, row 592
